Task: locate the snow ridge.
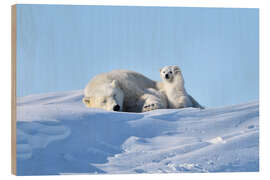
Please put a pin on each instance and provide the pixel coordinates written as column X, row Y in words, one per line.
column 56, row 134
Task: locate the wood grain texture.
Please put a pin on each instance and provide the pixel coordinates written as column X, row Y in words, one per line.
column 13, row 89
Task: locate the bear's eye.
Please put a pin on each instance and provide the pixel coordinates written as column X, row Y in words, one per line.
column 170, row 72
column 164, row 72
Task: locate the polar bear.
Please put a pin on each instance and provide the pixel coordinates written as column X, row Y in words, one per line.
column 123, row 90
column 173, row 87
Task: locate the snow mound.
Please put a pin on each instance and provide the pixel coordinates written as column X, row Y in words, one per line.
column 56, row 134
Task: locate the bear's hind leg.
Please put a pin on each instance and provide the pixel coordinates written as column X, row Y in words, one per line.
column 152, row 106
column 153, row 100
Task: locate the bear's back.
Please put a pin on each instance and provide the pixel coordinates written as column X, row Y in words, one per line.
column 124, row 77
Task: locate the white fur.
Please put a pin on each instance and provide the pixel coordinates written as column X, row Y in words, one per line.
column 132, row 91
column 173, row 87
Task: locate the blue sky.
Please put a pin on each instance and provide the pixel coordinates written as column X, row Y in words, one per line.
column 60, row 48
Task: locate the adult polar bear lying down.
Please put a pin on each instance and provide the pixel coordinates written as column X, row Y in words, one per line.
column 123, row 90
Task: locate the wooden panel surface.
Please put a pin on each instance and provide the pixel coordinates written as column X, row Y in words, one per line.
column 13, row 89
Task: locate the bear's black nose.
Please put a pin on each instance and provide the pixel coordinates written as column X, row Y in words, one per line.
column 167, row 76
column 116, row 107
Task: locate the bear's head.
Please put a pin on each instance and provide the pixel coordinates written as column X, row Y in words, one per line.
column 169, row 73
column 108, row 96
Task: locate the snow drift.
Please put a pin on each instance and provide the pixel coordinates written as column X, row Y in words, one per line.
column 56, row 134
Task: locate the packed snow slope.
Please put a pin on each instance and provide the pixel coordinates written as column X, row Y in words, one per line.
column 56, row 134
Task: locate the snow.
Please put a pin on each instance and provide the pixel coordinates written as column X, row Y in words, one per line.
column 56, row 134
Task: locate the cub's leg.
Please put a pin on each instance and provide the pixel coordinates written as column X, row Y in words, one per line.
column 182, row 102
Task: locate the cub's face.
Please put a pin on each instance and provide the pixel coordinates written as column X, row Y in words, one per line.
column 109, row 97
column 168, row 73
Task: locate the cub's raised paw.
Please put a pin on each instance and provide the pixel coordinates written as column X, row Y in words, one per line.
column 150, row 107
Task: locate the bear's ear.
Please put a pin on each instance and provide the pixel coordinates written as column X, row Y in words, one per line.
column 114, row 83
column 160, row 70
column 176, row 69
column 86, row 100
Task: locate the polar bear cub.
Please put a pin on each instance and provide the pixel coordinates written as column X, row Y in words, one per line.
column 173, row 87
